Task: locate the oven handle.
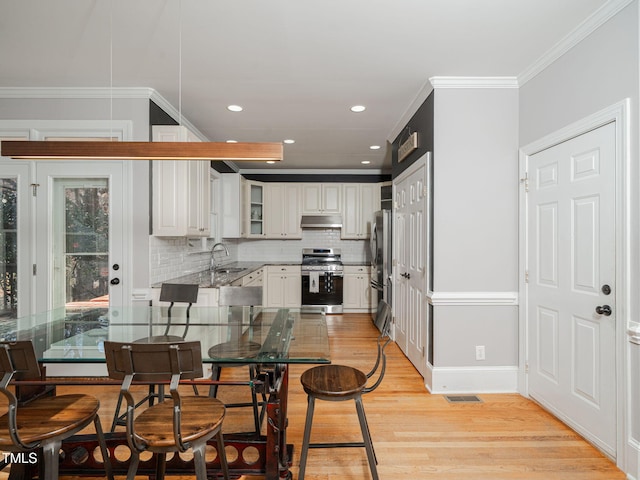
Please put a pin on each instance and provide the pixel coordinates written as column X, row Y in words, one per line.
column 333, row 274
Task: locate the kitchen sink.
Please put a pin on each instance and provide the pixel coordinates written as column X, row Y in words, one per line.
column 229, row 270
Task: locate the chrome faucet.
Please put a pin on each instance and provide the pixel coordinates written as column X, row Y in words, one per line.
column 212, row 262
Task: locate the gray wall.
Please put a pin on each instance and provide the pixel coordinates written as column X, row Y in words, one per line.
column 475, row 224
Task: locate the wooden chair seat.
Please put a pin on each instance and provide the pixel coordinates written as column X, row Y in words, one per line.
column 49, row 417
column 235, row 350
column 152, row 428
column 333, row 382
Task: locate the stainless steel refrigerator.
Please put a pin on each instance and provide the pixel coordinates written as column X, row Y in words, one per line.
column 381, row 255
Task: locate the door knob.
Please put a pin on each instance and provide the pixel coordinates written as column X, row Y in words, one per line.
column 115, row 281
column 603, row 310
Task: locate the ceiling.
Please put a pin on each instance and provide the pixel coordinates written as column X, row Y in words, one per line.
column 295, row 66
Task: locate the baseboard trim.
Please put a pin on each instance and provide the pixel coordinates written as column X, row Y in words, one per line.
column 467, row 380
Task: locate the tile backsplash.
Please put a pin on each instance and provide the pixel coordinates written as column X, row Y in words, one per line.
column 173, row 257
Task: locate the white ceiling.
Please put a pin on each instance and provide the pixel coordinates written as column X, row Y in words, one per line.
column 296, row 66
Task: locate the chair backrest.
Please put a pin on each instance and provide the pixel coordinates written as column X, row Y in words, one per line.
column 153, row 361
column 177, row 292
column 230, row 296
column 383, row 322
column 19, row 360
column 383, row 318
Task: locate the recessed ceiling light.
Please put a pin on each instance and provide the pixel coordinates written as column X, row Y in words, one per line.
column 289, row 141
column 375, row 147
column 358, row 108
column 232, row 141
column 365, row 162
column 234, row 108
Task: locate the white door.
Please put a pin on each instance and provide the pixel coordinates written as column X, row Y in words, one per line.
column 410, row 240
column 79, row 234
column 571, row 261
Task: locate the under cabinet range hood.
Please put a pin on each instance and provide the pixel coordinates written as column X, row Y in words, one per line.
column 321, row 221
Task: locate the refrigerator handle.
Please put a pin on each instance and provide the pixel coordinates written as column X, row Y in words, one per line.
column 373, row 243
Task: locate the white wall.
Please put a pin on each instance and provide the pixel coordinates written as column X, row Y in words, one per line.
column 600, row 71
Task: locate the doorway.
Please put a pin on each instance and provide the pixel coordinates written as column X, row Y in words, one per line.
column 574, row 289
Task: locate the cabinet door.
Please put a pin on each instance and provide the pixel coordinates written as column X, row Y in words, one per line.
column 351, row 292
column 198, row 198
column 369, row 203
column 292, row 295
column 274, row 208
column 168, row 197
column 291, row 227
column 311, row 198
column 331, row 198
column 351, row 227
column 275, row 288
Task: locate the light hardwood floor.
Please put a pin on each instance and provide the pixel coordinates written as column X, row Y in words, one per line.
column 421, row 436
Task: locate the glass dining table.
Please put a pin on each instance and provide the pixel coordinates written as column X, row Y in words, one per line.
column 73, row 338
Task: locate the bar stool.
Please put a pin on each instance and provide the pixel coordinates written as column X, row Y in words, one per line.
column 177, row 425
column 241, row 348
column 46, row 421
column 173, row 293
column 338, row 383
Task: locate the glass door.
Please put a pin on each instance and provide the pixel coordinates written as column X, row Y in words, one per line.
column 79, row 223
column 14, row 242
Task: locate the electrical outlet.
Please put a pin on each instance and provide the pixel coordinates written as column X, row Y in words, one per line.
column 480, row 352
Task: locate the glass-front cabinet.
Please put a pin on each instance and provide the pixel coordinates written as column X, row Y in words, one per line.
column 256, row 210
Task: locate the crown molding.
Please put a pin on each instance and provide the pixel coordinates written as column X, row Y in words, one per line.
column 145, row 93
column 410, row 111
column 578, row 34
column 76, row 92
column 474, row 82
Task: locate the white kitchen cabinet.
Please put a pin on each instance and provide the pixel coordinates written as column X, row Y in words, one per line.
column 181, row 190
column 283, row 286
column 321, row 198
column 359, row 201
column 357, row 291
column 282, row 210
column 233, row 205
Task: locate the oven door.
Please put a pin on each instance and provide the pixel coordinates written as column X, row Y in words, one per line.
column 326, row 293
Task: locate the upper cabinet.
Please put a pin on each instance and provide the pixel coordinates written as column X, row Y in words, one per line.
column 254, row 214
column 360, row 200
column 181, row 190
column 282, row 210
column 321, row 198
column 233, row 187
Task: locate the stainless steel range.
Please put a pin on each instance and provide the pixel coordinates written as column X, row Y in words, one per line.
column 322, row 274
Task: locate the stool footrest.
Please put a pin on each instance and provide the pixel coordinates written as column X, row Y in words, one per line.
column 337, row 445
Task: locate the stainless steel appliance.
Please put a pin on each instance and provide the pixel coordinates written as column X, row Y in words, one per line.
column 322, row 275
column 381, row 255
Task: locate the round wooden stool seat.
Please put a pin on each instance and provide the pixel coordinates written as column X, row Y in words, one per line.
column 200, row 416
column 235, row 350
column 160, row 339
column 50, row 417
column 333, row 382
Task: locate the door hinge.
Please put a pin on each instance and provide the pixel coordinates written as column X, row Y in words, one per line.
column 525, row 181
column 526, row 276
column 526, row 368
column 34, row 269
column 34, row 187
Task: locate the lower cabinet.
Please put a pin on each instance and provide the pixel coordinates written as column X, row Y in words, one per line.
column 357, row 291
column 283, row 286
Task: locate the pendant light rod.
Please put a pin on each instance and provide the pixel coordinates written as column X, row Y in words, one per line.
column 86, row 150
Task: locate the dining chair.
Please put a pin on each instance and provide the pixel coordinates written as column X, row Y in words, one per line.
column 173, row 293
column 178, row 424
column 238, row 346
column 338, row 383
column 46, row 421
